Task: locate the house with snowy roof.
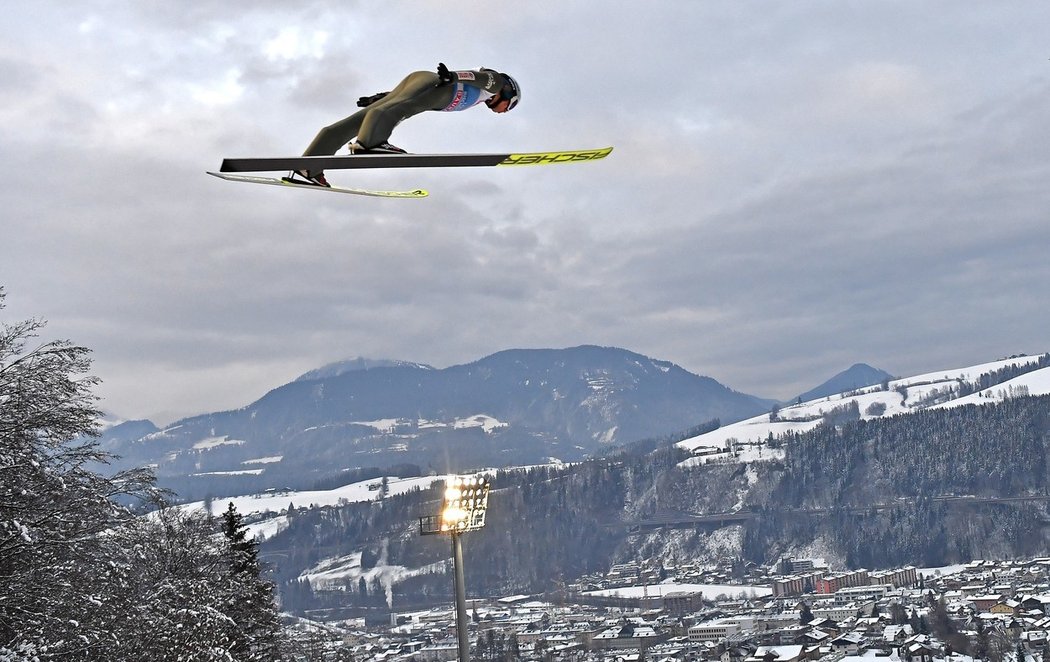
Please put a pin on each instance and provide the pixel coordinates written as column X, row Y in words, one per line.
column 793, row 653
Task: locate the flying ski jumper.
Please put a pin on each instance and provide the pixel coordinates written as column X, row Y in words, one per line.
column 420, row 91
column 445, row 91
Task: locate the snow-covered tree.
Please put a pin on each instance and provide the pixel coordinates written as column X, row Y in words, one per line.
column 250, row 598
column 54, row 512
column 83, row 577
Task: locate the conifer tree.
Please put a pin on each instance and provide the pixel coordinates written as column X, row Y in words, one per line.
column 250, row 601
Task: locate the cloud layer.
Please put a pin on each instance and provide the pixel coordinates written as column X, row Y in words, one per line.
column 795, row 188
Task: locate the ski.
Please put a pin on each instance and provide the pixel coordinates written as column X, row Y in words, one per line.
column 273, row 181
column 316, row 163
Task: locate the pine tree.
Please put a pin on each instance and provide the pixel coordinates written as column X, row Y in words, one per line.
column 805, row 614
column 250, row 601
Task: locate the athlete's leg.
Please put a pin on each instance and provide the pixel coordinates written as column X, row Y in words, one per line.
column 416, row 93
column 332, row 137
column 373, row 125
column 387, row 111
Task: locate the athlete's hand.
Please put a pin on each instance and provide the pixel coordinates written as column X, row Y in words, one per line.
column 445, row 76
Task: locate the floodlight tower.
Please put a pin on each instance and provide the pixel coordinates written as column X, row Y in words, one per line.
column 462, row 509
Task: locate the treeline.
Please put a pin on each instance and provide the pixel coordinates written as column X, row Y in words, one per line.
column 989, row 450
column 906, row 465
column 1006, row 373
column 83, row 577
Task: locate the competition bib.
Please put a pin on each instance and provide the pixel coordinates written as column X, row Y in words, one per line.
column 466, row 96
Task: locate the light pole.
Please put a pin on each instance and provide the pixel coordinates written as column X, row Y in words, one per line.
column 462, row 509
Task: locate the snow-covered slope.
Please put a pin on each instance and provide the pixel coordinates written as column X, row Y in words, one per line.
column 276, row 502
column 744, row 441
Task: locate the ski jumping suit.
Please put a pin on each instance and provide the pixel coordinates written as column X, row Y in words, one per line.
column 418, row 92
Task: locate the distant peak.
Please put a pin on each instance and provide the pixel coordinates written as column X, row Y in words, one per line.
column 856, row 376
column 353, row 365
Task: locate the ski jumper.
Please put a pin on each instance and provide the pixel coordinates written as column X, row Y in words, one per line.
column 418, row 92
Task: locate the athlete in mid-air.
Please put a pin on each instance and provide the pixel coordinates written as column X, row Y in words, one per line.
column 418, row 92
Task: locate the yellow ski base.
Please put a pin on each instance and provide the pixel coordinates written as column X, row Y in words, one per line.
column 546, row 158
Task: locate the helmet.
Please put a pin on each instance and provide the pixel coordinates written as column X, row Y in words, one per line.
column 510, row 91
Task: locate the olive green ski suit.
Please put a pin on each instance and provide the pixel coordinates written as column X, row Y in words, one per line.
column 418, row 92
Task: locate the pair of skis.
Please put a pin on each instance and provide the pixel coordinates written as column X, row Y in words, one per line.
column 316, row 163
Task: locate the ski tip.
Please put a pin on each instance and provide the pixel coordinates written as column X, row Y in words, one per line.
column 545, row 158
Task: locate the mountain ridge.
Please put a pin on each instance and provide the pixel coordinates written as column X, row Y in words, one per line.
column 338, row 368
column 516, row 406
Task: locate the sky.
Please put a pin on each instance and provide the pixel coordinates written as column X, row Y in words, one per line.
column 795, row 187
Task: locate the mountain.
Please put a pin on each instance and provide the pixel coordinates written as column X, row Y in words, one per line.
column 360, row 363
column 927, row 470
column 117, row 434
column 857, row 376
column 514, row 407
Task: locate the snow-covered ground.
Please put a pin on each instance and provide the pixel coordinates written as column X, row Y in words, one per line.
column 278, row 501
column 395, row 425
column 873, row 402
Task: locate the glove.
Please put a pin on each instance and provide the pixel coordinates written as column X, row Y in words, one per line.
column 445, row 77
column 365, row 102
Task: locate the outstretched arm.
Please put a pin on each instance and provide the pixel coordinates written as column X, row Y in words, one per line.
column 485, row 79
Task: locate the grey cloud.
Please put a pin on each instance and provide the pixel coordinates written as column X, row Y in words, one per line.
column 794, row 188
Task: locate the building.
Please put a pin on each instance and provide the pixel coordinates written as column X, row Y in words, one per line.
column 901, row 577
column 843, row 612
column 718, row 629
column 681, row 603
column 835, row 582
column 439, row 652
column 874, row 592
column 793, row 653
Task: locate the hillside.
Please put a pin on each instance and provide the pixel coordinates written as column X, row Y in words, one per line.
column 516, row 407
column 983, row 383
column 911, row 475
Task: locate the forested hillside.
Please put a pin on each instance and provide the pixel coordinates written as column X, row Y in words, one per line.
column 875, row 493
column 913, row 465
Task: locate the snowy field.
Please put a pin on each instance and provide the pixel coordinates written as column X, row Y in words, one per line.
column 278, row 502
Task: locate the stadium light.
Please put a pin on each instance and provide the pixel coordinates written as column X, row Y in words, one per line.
column 466, row 501
column 463, row 509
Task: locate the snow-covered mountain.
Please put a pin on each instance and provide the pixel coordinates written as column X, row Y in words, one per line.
column 935, row 390
column 982, row 383
column 511, row 408
column 729, row 471
column 360, row 363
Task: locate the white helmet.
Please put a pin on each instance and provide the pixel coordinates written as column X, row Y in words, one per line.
column 510, row 91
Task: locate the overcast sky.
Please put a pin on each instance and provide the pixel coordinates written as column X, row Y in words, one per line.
column 796, row 186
